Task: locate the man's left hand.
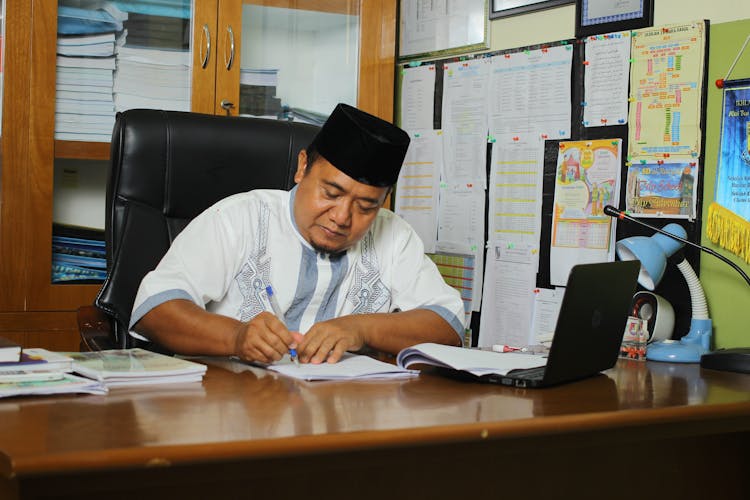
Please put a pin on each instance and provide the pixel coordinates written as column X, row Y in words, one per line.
column 329, row 340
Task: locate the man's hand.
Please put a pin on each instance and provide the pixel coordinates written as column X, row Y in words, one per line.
column 329, row 340
column 264, row 339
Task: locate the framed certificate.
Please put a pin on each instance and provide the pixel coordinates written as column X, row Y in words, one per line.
column 432, row 29
column 505, row 8
column 605, row 16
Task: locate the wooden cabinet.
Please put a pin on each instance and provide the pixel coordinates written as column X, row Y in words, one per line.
column 32, row 309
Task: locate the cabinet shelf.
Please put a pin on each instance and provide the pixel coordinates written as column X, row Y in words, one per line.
column 78, row 150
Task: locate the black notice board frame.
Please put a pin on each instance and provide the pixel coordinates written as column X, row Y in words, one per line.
column 672, row 287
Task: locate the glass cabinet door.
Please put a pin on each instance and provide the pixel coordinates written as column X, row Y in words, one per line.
column 298, row 58
column 298, row 62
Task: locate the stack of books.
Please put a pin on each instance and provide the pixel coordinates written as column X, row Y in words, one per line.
column 130, row 367
column 78, row 255
column 84, row 105
column 39, row 371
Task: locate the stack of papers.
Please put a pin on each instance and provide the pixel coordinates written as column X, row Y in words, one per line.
column 467, row 360
column 351, row 366
column 128, row 367
column 152, row 78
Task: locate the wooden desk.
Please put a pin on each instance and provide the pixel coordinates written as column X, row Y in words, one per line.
column 641, row 430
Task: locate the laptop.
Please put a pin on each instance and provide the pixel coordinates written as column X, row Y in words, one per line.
column 589, row 328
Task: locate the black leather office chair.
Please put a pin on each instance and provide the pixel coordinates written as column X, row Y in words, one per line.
column 166, row 168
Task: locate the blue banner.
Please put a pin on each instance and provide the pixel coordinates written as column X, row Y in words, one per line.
column 733, row 171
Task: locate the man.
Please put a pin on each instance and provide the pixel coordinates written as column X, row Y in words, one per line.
column 346, row 273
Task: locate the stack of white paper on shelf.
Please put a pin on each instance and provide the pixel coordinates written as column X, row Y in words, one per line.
column 152, row 78
column 128, row 367
column 262, row 77
column 84, row 105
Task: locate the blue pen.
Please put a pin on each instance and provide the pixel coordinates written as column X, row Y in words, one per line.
column 277, row 311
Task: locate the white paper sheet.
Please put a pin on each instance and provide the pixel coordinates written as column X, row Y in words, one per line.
column 464, row 121
column 515, row 191
column 547, row 304
column 418, row 184
column 507, row 300
column 461, row 228
column 530, row 92
column 606, row 76
column 418, row 97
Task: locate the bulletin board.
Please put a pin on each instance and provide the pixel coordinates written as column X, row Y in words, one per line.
column 672, row 286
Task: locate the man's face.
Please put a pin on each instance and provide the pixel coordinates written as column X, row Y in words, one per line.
column 332, row 210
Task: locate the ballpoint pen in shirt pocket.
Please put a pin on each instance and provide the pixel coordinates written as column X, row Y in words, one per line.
column 279, row 314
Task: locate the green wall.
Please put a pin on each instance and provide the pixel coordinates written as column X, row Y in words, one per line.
column 727, row 293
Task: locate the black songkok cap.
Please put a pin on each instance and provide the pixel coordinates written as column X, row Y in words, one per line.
column 366, row 148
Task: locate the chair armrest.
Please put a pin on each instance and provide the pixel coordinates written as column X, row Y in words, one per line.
column 95, row 328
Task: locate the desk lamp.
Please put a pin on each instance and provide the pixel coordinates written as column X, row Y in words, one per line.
column 653, row 252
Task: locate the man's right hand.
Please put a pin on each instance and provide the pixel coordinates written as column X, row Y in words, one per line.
column 264, row 339
column 184, row 328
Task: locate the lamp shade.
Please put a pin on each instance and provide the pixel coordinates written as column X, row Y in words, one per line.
column 653, row 252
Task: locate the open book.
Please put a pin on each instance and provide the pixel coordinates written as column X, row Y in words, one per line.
column 473, row 361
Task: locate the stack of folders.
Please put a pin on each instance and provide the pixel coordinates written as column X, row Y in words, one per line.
column 39, row 371
column 131, row 367
column 78, row 255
